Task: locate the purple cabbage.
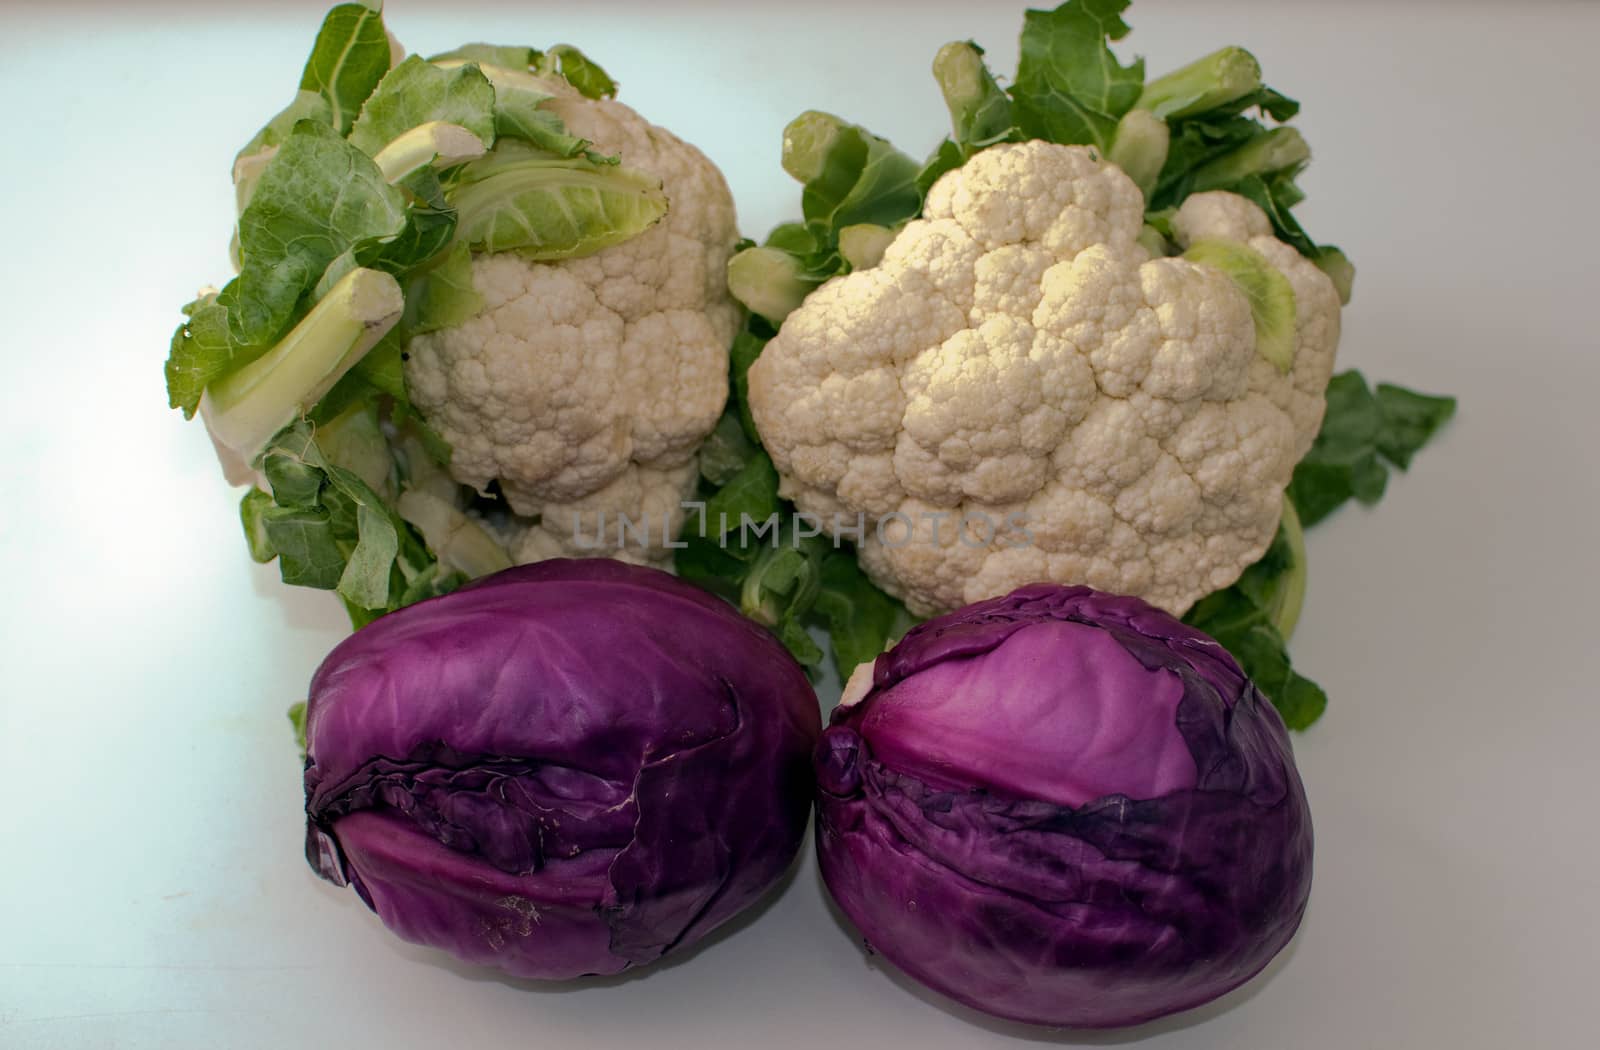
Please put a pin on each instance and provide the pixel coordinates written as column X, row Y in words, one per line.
column 1066, row 808
column 563, row 769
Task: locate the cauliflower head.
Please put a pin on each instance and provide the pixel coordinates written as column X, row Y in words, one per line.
column 584, row 386
column 1019, row 392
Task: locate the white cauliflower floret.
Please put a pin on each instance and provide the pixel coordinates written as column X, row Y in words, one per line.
column 586, row 385
column 1019, row 392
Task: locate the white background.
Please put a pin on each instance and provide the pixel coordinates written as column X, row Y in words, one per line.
column 152, row 889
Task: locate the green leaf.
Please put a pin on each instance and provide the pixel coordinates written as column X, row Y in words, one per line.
column 200, row 351
column 1070, row 88
column 784, row 579
column 1340, row 270
column 792, row 633
column 443, row 296
column 1345, row 450
column 252, row 510
column 518, row 114
column 980, row 112
column 947, row 157
column 297, row 720
column 751, row 493
column 704, row 562
column 1276, row 196
column 860, row 618
column 428, row 230
column 318, row 198
column 1409, row 421
column 365, row 580
column 354, row 441
column 726, row 450
column 307, row 546
column 1264, row 155
column 307, row 105
column 417, row 92
column 1244, row 628
column 747, row 346
column 849, row 175
column 333, row 531
column 349, row 58
column 580, row 71
column 552, row 208
column 1344, row 463
column 384, row 367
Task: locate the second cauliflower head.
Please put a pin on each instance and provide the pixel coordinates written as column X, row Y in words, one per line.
column 584, row 386
column 1018, row 392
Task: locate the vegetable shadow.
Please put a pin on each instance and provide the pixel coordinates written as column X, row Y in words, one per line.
column 299, row 608
column 1056, row 1036
column 672, row 960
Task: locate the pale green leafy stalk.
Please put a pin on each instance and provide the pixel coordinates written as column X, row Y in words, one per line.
column 245, row 408
column 443, row 296
column 435, row 144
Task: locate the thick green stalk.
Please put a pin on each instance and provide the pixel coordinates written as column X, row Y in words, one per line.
column 807, row 142
column 1290, row 595
column 768, row 281
column 980, row 113
column 1278, row 149
column 1140, row 147
column 863, row 244
column 1206, row 83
